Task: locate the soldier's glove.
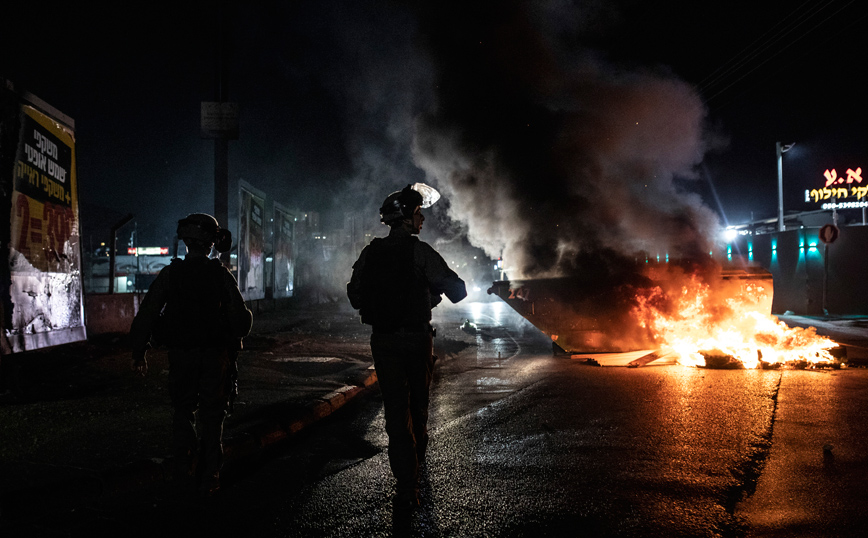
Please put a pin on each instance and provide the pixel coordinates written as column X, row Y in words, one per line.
column 139, row 363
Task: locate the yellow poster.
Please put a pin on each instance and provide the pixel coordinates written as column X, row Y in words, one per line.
column 45, row 256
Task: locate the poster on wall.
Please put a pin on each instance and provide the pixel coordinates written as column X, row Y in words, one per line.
column 284, row 259
column 251, row 243
column 44, row 250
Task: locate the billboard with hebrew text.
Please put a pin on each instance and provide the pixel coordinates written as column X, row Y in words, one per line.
column 43, row 299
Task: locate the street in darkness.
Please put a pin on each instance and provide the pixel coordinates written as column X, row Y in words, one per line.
column 597, row 161
column 524, row 443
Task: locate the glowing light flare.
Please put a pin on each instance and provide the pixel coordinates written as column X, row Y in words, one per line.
column 695, row 324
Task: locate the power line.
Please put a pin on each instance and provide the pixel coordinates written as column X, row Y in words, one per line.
column 774, row 35
column 789, row 28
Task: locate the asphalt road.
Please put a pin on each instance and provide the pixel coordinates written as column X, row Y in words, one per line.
column 527, row 444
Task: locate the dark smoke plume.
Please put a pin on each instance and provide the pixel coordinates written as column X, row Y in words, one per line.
column 551, row 156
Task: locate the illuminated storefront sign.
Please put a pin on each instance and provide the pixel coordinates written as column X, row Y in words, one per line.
column 148, row 251
column 852, row 196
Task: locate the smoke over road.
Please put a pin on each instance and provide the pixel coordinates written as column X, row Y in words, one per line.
column 549, row 155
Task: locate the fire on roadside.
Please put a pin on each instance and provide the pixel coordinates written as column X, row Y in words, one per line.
column 711, row 321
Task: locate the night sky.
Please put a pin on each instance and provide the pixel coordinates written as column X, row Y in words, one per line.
column 343, row 102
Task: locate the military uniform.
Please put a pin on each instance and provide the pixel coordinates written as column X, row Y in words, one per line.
column 395, row 283
column 194, row 307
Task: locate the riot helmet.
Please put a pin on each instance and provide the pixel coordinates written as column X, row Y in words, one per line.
column 204, row 229
column 400, row 205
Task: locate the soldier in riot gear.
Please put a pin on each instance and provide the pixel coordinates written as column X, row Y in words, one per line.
column 395, row 283
column 194, row 307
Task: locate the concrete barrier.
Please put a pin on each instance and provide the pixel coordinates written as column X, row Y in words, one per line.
column 110, row 313
column 114, row 313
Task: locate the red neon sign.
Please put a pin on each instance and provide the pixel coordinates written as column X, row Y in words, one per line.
column 832, row 176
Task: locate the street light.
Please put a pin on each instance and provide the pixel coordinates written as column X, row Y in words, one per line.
column 780, row 151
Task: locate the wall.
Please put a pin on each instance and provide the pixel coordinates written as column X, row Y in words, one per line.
column 114, row 313
column 110, row 313
column 803, row 266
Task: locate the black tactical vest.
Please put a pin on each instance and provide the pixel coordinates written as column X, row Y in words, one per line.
column 196, row 312
column 393, row 294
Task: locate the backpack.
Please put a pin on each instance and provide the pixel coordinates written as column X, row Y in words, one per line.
column 393, row 295
column 196, row 309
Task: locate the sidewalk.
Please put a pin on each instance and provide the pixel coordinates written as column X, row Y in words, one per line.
column 82, row 424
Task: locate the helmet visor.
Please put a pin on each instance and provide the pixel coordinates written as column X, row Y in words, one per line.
column 429, row 194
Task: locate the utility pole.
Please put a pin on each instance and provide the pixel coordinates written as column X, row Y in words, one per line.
column 780, row 150
column 219, row 121
column 221, row 142
column 780, row 187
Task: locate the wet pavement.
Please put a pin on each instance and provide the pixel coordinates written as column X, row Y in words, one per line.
column 81, row 426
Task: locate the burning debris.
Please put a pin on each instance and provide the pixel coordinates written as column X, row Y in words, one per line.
column 709, row 322
column 705, row 315
column 645, row 359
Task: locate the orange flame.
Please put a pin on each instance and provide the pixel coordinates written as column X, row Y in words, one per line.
column 700, row 323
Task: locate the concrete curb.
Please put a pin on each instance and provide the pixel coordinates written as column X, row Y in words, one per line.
column 266, row 435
